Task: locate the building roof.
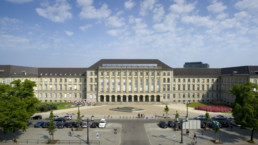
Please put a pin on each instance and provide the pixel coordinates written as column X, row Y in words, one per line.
column 100, row 63
column 62, row 71
column 12, row 70
column 240, row 70
column 196, row 71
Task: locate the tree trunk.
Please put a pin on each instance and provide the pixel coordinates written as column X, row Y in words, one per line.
column 252, row 134
column 14, row 136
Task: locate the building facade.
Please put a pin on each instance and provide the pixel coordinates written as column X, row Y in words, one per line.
column 132, row 81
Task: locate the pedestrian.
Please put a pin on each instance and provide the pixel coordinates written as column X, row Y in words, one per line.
column 141, row 115
column 195, row 136
column 71, row 131
column 231, row 126
column 138, row 115
column 187, row 132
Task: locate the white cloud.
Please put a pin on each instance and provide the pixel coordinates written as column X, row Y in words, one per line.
column 222, row 16
column 158, row 13
column 146, row 5
column 216, row 7
column 198, row 20
column 59, row 12
column 90, row 12
column 9, row 41
column 181, row 7
column 8, row 21
column 114, row 32
column 85, row 27
column 140, row 28
column 68, row 33
column 19, row 1
column 115, row 21
column 129, row 4
column 250, row 5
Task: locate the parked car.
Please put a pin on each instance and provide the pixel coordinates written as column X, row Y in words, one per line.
column 45, row 124
column 200, row 117
column 102, row 123
column 68, row 124
column 84, row 124
column 219, row 117
column 171, row 124
column 38, row 125
column 94, row 125
column 68, row 117
column 224, row 123
column 60, row 124
column 56, row 116
column 36, row 117
column 163, row 124
column 61, row 119
column 76, row 124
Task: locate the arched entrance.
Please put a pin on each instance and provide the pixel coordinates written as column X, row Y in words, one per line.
column 124, row 98
column 158, row 98
column 118, row 98
column 107, row 98
column 113, row 98
column 146, row 98
column 130, row 98
column 141, row 98
column 135, row 98
column 101, row 98
column 152, row 98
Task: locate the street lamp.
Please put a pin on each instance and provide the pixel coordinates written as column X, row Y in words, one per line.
column 186, row 111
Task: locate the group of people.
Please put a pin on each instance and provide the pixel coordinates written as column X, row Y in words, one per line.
column 141, row 115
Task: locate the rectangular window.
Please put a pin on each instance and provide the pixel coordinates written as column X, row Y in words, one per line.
column 130, row 85
column 118, row 85
column 135, row 84
column 152, row 85
column 124, row 85
column 141, row 84
column 107, row 84
column 158, row 82
column 147, row 85
column 55, row 87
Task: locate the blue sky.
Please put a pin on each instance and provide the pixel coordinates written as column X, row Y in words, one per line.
column 77, row 33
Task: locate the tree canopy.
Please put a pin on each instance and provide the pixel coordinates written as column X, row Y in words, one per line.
column 17, row 104
column 245, row 108
column 166, row 110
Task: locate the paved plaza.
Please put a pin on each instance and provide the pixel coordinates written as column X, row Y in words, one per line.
column 130, row 129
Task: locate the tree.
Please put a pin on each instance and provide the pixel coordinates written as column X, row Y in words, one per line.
column 216, row 129
column 207, row 118
column 79, row 116
column 176, row 118
column 51, row 127
column 245, row 108
column 166, row 109
column 17, row 105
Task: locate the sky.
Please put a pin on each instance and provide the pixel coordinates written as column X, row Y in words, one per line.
column 78, row 33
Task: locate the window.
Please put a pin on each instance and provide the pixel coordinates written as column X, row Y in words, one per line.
column 164, row 87
column 50, row 79
column 164, row 96
column 50, row 86
column 45, row 87
column 168, row 73
column 147, row 85
column 60, row 80
column 107, row 73
column 135, row 84
column 60, row 87
column 75, row 87
column 124, row 74
column 65, row 80
column 75, row 80
column 135, row 73
column 113, row 73
column 168, row 96
column 164, row 80
column 178, row 87
column 168, row 87
column 65, row 87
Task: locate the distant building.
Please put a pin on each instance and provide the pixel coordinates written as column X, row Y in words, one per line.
column 196, row 65
column 132, row 81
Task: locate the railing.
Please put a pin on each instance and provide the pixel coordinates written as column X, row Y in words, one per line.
column 38, row 141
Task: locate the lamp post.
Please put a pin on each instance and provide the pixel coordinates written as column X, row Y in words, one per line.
column 186, row 111
column 181, row 124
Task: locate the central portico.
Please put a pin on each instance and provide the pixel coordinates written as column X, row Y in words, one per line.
column 128, row 80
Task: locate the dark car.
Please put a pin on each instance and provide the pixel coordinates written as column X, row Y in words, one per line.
column 203, row 124
column 37, row 117
column 68, row 124
column 94, row 125
column 38, row 125
column 60, row 119
column 163, row 124
column 76, row 124
column 60, row 124
column 171, row 124
column 224, row 123
column 45, row 124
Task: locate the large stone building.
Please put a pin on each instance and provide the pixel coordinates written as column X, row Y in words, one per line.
column 132, row 80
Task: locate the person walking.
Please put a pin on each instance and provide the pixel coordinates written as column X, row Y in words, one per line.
column 71, row 131
column 195, row 136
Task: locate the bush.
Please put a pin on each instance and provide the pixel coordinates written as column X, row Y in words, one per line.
column 46, row 107
column 214, row 108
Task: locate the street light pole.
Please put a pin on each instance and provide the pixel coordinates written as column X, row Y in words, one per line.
column 187, row 111
column 88, row 140
column 181, row 124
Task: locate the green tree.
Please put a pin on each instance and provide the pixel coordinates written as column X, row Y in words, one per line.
column 79, row 116
column 166, row 110
column 245, row 108
column 177, row 118
column 51, row 127
column 207, row 118
column 17, row 105
column 216, row 129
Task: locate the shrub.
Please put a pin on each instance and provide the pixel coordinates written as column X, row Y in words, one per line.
column 214, row 108
column 46, row 107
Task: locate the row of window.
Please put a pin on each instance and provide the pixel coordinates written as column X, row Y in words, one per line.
column 193, row 80
column 62, row 80
column 60, row 95
column 190, row 95
column 61, row 87
column 195, row 87
column 141, row 73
